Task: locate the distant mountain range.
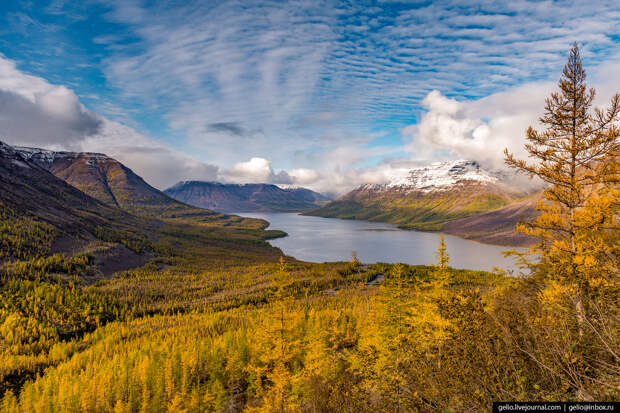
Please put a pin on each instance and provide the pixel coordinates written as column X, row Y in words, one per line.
column 69, row 202
column 112, row 183
column 80, row 192
column 442, row 196
column 246, row 197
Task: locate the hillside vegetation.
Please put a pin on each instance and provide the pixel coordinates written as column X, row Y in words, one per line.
column 499, row 225
column 220, row 321
column 415, row 210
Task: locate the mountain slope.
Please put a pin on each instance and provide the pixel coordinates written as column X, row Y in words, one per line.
column 427, row 198
column 28, row 187
column 99, row 176
column 34, row 203
column 41, row 214
column 498, row 226
column 112, row 183
column 246, row 197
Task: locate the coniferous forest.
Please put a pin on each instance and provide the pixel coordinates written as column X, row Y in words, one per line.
column 217, row 320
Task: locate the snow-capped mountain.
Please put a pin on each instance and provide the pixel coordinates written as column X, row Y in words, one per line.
column 46, row 157
column 436, row 176
column 429, row 197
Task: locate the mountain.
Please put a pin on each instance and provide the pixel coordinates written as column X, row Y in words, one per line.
column 41, row 212
column 110, row 182
column 429, row 197
column 245, row 197
column 99, row 176
column 29, row 187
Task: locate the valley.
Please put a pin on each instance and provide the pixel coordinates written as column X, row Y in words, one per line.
column 100, row 271
column 117, row 297
column 309, row 207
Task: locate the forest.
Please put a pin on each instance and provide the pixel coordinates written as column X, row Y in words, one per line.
column 219, row 321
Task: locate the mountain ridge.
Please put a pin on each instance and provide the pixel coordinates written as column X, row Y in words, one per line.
column 429, row 197
column 437, row 176
column 254, row 197
column 99, row 176
column 48, row 214
column 42, row 214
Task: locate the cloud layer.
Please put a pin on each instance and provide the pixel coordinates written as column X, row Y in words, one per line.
column 327, row 94
column 481, row 129
column 284, row 80
column 37, row 113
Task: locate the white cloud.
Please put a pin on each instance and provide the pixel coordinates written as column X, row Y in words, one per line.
column 285, row 81
column 15, row 81
column 298, row 84
column 160, row 165
column 480, row 129
column 304, row 176
column 39, row 105
column 446, row 126
column 37, row 113
column 256, row 170
column 336, row 181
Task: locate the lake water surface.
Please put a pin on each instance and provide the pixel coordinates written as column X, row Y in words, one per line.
column 319, row 239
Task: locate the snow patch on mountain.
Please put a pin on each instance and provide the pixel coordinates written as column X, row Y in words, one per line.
column 42, row 155
column 5, row 149
column 289, row 187
column 48, row 157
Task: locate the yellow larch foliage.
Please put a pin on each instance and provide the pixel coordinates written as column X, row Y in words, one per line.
column 577, row 156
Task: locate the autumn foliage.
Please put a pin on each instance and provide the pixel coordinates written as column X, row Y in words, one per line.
column 219, row 321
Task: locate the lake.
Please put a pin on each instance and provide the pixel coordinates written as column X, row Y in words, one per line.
column 319, row 239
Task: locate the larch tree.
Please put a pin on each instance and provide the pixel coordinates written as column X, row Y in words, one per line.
column 354, row 262
column 442, row 272
column 577, row 156
column 442, row 278
column 395, row 339
column 281, row 348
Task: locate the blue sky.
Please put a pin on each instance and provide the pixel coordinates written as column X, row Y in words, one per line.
column 325, row 92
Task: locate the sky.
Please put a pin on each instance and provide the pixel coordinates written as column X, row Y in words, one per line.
column 322, row 94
